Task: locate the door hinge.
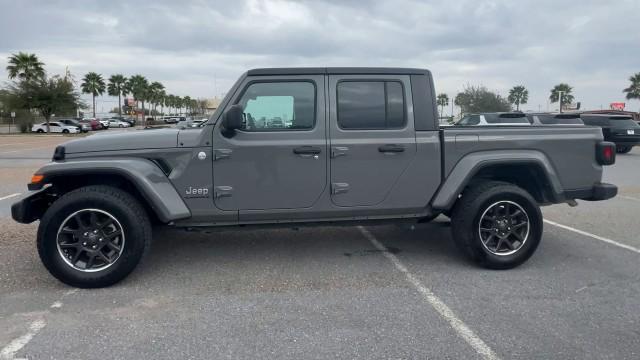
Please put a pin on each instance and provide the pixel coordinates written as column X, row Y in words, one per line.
column 222, row 191
column 338, row 151
column 339, row 188
column 221, row 153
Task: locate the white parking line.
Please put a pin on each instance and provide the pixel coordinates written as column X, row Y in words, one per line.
column 9, row 196
column 29, row 149
column 597, row 237
column 8, row 352
column 629, row 197
column 458, row 325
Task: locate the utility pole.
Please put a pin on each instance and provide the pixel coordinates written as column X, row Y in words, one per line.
column 452, row 101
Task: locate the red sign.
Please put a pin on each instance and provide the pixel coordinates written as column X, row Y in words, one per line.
column 617, row 106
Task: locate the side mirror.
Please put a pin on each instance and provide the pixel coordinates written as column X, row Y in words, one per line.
column 232, row 119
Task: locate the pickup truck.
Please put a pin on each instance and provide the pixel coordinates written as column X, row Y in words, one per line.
column 353, row 146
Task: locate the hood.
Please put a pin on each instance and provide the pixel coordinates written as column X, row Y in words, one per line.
column 125, row 140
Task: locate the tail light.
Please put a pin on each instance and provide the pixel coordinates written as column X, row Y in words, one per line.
column 606, row 153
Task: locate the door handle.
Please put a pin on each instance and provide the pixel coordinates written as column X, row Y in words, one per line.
column 391, row 148
column 306, row 150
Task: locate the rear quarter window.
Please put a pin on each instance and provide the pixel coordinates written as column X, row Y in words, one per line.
column 501, row 119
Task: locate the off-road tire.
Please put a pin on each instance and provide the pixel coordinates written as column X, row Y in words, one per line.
column 124, row 207
column 468, row 210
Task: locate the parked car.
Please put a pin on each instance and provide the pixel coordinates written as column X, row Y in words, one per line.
column 377, row 157
column 93, row 124
column 55, row 127
column 198, row 123
column 619, row 129
column 171, row 119
column 129, row 120
column 118, row 123
column 104, row 122
column 493, row 119
column 554, row 119
column 84, row 127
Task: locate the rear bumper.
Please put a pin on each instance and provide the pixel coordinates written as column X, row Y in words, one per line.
column 600, row 191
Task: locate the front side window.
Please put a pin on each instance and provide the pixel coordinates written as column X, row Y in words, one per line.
column 274, row 106
column 371, row 105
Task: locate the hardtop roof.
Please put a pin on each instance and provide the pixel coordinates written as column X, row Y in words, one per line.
column 338, row 71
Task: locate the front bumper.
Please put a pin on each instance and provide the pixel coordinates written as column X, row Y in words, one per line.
column 599, row 192
column 32, row 207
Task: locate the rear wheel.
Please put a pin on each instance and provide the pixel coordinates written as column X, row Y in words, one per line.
column 623, row 149
column 65, row 131
column 498, row 225
column 93, row 236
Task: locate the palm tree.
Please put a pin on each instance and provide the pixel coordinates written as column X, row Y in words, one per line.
column 177, row 102
column 442, row 101
column 118, row 87
column 518, row 95
column 633, row 91
column 25, row 67
column 138, row 85
column 567, row 97
column 186, row 102
column 156, row 92
column 93, row 84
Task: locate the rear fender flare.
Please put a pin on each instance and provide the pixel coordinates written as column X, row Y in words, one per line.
column 467, row 167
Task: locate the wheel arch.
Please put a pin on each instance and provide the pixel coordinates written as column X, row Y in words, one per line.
column 140, row 177
column 530, row 170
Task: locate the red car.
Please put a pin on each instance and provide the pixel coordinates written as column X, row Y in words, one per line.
column 95, row 124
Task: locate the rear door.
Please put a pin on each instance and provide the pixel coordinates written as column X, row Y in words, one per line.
column 371, row 141
column 279, row 159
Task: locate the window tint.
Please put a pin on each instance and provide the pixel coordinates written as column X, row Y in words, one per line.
column 371, row 105
column 506, row 119
column 279, row 106
column 470, row 120
column 623, row 123
column 558, row 120
column 595, row 120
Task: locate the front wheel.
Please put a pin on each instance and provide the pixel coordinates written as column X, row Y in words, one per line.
column 498, row 225
column 94, row 236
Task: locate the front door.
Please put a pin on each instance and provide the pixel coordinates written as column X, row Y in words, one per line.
column 279, row 159
column 371, row 140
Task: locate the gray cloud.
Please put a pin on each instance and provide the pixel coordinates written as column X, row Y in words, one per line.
column 199, row 47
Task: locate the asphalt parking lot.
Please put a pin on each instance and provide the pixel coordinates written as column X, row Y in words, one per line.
column 334, row 292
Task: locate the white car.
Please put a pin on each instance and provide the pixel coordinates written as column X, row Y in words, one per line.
column 55, row 127
column 118, row 123
column 104, row 122
column 495, row 119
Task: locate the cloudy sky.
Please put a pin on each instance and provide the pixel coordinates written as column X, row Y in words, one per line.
column 199, row 48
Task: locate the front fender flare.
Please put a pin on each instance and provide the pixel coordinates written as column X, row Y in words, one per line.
column 472, row 163
column 146, row 176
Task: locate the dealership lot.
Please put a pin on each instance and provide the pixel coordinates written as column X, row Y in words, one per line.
column 331, row 292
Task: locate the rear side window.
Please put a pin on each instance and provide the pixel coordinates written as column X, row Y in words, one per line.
column 559, row 120
column 623, row 123
column 595, row 120
column 506, row 119
column 371, row 105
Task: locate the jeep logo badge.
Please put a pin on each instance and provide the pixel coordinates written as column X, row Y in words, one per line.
column 192, row 192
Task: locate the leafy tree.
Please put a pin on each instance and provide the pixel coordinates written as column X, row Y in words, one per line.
column 138, row 86
column 567, row 97
column 25, row 67
column 442, row 101
column 118, row 87
column 477, row 99
column 55, row 95
column 93, row 84
column 633, row 91
column 518, row 95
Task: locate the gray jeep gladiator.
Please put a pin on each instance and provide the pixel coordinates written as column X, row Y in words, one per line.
column 309, row 146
